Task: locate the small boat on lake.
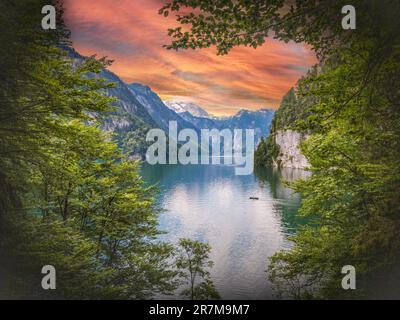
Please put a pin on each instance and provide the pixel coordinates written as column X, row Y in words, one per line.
column 254, row 198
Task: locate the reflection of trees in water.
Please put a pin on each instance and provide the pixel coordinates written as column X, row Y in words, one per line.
column 291, row 175
column 197, row 177
column 287, row 202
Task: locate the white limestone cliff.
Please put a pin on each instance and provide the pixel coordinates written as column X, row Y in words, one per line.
column 290, row 155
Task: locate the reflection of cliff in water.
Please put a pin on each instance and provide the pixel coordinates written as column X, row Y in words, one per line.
column 210, row 203
column 286, row 201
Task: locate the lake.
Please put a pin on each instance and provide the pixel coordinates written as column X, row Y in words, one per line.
column 210, row 203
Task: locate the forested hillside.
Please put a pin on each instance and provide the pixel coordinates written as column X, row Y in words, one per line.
column 128, row 120
column 291, row 110
column 353, row 117
column 69, row 198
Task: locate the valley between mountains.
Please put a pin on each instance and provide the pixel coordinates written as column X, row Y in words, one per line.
column 138, row 109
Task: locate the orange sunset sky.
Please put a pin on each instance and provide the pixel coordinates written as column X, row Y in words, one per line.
column 132, row 33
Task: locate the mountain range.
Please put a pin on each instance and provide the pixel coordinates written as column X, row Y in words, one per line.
column 138, row 109
column 259, row 120
column 182, row 107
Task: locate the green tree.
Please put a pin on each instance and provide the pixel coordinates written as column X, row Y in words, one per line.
column 70, row 197
column 193, row 263
column 353, row 154
column 351, row 105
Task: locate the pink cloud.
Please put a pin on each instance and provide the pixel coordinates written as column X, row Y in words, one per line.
column 132, row 33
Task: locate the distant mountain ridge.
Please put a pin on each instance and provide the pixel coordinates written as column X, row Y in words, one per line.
column 182, row 107
column 130, row 121
column 159, row 112
column 139, row 109
column 259, row 120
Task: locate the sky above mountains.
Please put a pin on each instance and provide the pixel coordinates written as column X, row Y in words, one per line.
column 132, row 33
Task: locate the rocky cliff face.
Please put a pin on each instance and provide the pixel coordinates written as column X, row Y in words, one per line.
column 290, row 155
column 282, row 146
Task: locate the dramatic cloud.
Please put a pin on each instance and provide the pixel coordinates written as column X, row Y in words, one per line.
column 132, row 33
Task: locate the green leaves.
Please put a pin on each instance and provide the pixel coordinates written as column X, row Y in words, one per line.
column 352, row 115
column 193, row 263
column 228, row 24
column 69, row 197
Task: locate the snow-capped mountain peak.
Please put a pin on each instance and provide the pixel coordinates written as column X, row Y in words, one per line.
column 192, row 108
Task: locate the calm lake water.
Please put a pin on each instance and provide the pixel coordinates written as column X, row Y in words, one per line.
column 210, row 203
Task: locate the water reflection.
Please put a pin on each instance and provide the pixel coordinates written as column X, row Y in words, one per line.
column 211, row 203
column 286, row 201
